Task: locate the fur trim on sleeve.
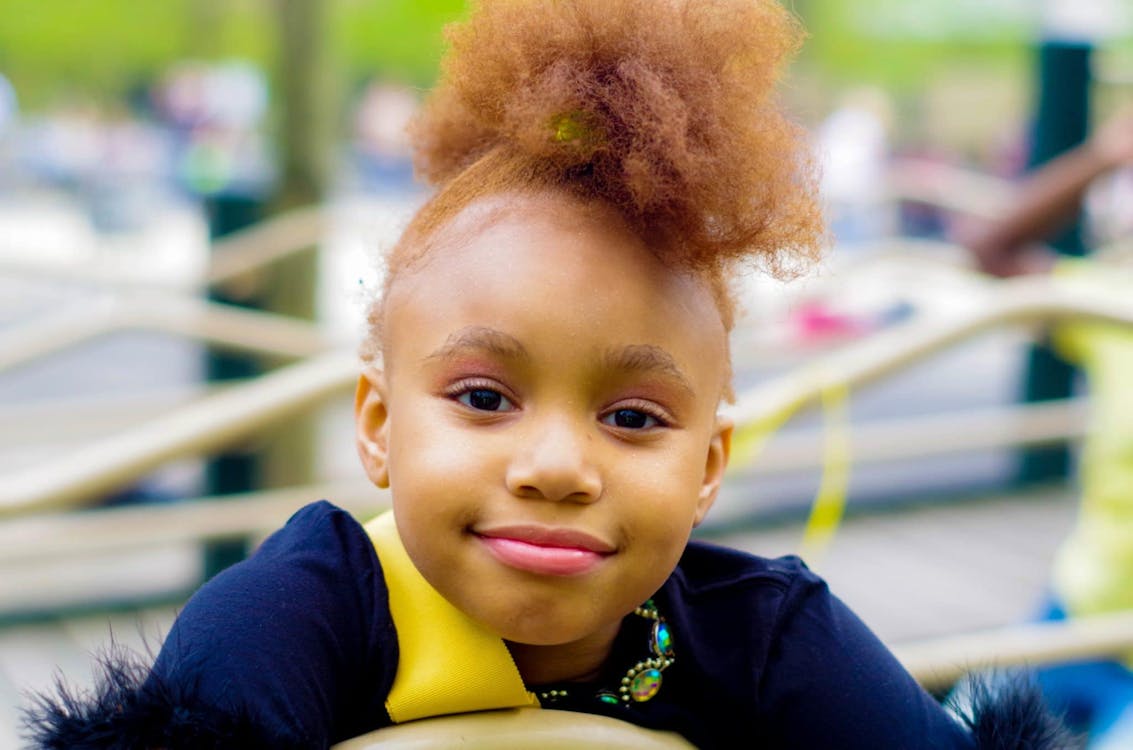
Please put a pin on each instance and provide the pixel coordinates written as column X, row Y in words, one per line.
column 1006, row 711
column 129, row 709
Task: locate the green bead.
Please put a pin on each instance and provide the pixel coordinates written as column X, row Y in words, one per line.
column 608, row 698
column 578, row 127
column 662, row 639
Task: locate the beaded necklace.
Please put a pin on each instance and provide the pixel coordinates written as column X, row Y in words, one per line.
column 642, row 681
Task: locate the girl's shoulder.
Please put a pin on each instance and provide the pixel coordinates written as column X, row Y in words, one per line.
column 321, row 521
column 707, row 569
column 319, row 536
column 718, row 595
column 288, row 648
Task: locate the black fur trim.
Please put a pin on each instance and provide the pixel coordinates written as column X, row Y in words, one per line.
column 129, row 709
column 1006, row 711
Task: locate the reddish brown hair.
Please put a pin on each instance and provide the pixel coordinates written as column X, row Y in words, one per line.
column 662, row 109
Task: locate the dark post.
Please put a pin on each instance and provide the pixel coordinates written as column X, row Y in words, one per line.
column 236, row 469
column 305, row 117
column 1061, row 122
column 304, row 114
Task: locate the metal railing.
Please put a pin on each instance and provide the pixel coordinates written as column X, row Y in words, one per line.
column 326, row 365
column 230, row 257
column 209, row 423
column 939, row 662
column 228, row 326
column 33, row 538
column 238, row 411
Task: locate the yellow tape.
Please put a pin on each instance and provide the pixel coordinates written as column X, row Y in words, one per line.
column 830, row 502
column 748, row 440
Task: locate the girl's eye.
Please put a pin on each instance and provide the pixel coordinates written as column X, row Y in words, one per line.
column 485, row 399
column 631, row 419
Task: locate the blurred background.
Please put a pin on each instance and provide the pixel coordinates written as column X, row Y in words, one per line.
column 195, row 195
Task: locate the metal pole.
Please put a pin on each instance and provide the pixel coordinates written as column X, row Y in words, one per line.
column 1061, row 122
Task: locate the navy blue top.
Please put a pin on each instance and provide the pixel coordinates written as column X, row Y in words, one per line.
column 298, row 638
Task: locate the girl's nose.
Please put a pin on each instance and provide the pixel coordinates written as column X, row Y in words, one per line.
column 555, row 464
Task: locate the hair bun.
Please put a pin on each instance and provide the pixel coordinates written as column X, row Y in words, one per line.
column 664, row 108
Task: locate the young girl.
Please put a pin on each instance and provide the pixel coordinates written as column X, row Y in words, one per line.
column 545, row 366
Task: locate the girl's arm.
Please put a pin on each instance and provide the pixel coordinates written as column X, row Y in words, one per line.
column 830, row 682
column 290, row 648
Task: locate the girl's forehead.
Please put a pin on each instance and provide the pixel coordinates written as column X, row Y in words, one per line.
column 547, row 209
column 550, row 270
column 550, row 239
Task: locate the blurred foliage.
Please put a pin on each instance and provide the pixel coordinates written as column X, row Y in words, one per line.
column 960, row 74
column 902, row 46
column 52, row 48
column 105, row 48
column 398, row 38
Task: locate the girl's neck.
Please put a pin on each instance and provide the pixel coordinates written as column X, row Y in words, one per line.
column 577, row 661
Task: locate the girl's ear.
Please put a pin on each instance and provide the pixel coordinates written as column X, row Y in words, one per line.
column 719, row 448
column 371, row 425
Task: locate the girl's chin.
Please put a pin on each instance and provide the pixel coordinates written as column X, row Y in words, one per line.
column 552, row 629
column 546, row 637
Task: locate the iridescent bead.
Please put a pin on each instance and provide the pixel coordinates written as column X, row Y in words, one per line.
column 645, row 685
column 662, row 639
column 608, row 698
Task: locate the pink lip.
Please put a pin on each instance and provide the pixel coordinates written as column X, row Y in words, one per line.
column 545, row 551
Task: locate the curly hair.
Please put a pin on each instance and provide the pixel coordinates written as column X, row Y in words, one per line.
column 663, row 109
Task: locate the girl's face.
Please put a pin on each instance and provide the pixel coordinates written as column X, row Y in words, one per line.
column 546, row 419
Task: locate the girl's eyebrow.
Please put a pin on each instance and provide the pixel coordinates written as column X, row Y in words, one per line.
column 634, row 358
column 482, row 339
column 647, row 359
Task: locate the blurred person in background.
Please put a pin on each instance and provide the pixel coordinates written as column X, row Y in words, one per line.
column 1049, row 200
column 217, row 113
column 380, row 142
column 8, row 106
column 1093, row 570
column 9, row 112
column 853, row 143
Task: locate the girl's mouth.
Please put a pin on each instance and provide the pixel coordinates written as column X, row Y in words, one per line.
column 546, row 552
